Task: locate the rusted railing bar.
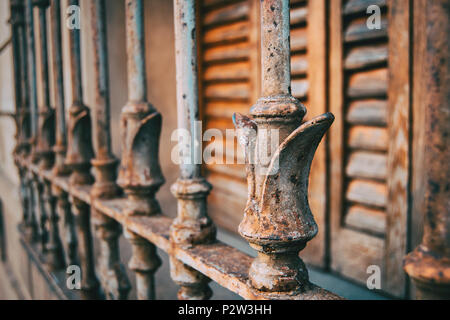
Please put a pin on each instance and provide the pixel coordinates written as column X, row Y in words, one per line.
column 140, row 173
column 113, row 275
column 275, row 48
column 46, row 118
column 58, row 85
column 23, row 117
column 44, row 76
column 15, row 22
column 137, row 79
column 31, row 53
column 207, row 259
column 75, row 61
column 192, row 225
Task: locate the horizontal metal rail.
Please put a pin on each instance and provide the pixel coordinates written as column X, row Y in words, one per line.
column 230, row 273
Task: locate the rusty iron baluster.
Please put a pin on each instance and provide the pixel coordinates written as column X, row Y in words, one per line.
column 429, row 264
column 32, row 78
column 46, row 125
column 46, row 119
column 78, row 159
column 43, row 216
column 140, row 173
column 113, row 275
column 277, row 220
column 70, row 236
column 54, row 194
column 55, row 253
column 192, row 225
column 60, row 169
column 21, row 102
column 32, row 227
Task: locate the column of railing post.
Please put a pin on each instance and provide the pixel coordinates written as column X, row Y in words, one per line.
column 277, row 219
column 57, row 197
column 78, row 159
column 140, row 173
column 113, row 276
column 19, row 68
column 46, row 118
column 31, row 72
column 23, row 117
column 45, row 141
column 192, row 225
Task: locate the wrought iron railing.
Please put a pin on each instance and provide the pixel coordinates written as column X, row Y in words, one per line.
column 54, row 165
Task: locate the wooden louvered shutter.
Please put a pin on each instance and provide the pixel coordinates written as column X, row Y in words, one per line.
column 369, row 141
column 229, row 49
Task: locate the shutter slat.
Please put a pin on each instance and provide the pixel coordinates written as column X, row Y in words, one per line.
column 228, row 72
column 227, row 53
column 228, row 91
column 367, row 56
column 368, row 193
column 298, row 39
column 368, row 84
column 358, row 30
column 362, row 164
column 230, row 13
column 366, row 219
column 368, row 138
column 300, row 88
column 299, row 15
column 299, row 65
column 368, row 112
column 225, row 109
column 227, row 34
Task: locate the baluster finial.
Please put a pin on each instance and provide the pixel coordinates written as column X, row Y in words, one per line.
column 140, row 173
column 80, row 150
column 278, row 151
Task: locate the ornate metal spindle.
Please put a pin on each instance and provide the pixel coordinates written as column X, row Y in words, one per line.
column 78, row 159
column 32, row 227
column 112, row 273
column 90, row 285
column 55, row 253
column 429, row 264
column 55, row 256
column 60, row 168
column 64, row 210
column 23, row 117
column 21, row 103
column 46, row 119
column 140, row 173
column 278, row 222
column 192, row 225
column 16, row 21
column 43, row 216
column 80, row 151
column 32, row 77
column 32, row 232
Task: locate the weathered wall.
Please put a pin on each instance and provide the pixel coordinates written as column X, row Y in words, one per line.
column 161, row 92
